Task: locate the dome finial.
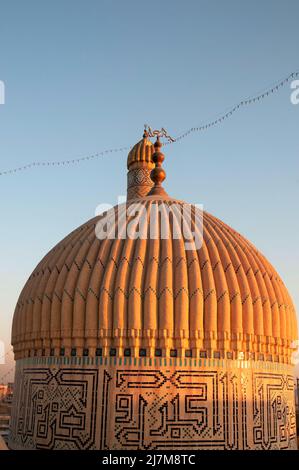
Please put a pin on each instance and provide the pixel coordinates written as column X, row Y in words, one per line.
column 139, row 166
column 158, row 174
column 157, row 133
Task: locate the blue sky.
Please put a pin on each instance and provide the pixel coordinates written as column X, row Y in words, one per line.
column 82, row 77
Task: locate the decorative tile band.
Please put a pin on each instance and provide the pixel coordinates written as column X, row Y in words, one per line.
column 150, row 404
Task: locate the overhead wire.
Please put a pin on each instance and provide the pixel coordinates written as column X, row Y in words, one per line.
column 218, row 120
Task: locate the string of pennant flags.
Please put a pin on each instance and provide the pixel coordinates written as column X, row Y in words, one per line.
column 250, row 100
column 63, row 162
column 163, row 133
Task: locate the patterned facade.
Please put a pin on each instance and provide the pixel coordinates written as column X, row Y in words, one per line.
column 139, row 182
column 112, row 403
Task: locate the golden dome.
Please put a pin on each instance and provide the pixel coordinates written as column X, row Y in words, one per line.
column 221, row 300
column 164, row 311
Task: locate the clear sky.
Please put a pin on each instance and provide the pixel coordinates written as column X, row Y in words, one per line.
column 82, row 77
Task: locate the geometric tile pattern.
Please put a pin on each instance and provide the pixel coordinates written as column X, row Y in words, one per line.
column 149, row 408
column 56, row 408
column 139, row 182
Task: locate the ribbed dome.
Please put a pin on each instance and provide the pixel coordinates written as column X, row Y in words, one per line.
column 219, row 300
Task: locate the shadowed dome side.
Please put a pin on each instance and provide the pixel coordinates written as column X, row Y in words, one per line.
column 220, row 300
